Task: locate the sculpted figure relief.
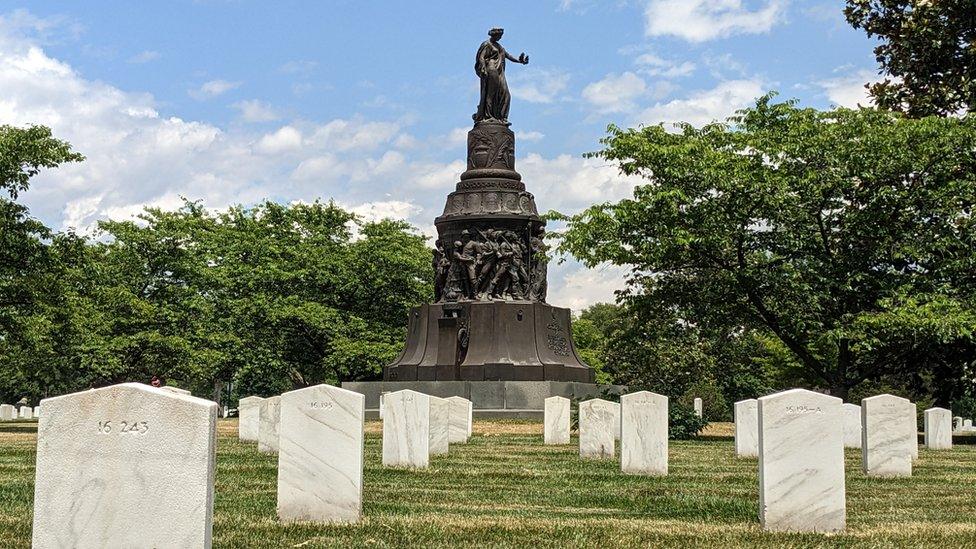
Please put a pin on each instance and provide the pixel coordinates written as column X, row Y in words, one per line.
column 489, row 65
column 491, row 264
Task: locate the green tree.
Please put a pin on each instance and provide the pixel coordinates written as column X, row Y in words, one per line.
column 33, row 277
column 927, row 48
column 821, row 229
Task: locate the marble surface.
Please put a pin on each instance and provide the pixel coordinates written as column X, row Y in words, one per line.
column 406, row 429
column 912, row 420
column 555, row 420
column 616, row 420
column 746, row 416
column 249, row 418
column 938, row 429
column 459, row 424
column 7, row 412
column 36, row 412
column 644, row 433
column 269, row 424
column 176, row 390
column 320, row 455
column 887, row 438
column 25, row 412
column 699, row 407
column 440, row 426
column 801, row 462
column 597, row 428
column 852, row 425
column 128, row 465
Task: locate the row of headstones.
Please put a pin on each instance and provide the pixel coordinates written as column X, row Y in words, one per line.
column 799, row 437
column 960, row 425
column 883, row 427
column 9, row 412
column 639, row 421
column 147, row 474
column 317, row 433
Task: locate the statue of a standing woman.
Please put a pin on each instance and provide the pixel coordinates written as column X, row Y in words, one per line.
column 489, row 65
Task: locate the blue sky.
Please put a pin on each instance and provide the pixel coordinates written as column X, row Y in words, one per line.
column 368, row 102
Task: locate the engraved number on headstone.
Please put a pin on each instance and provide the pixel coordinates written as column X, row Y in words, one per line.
column 137, row 427
column 320, row 405
column 793, row 410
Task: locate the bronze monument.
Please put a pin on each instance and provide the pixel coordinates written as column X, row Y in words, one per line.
column 490, row 320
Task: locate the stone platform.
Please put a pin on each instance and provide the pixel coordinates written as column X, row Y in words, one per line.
column 495, row 399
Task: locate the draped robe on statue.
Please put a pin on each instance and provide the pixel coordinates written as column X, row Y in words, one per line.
column 495, row 97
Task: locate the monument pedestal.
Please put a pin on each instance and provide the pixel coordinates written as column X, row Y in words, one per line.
column 501, row 399
column 489, row 341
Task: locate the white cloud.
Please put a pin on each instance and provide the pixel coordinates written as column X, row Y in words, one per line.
column 580, row 287
column 531, row 136
column 144, row 57
column 345, row 135
column 615, row 93
column 213, row 88
column 537, row 85
column 702, row 20
column 285, row 139
column 386, row 209
column 848, row 90
column 253, row 110
column 705, row 106
column 654, row 65
column 299, row 67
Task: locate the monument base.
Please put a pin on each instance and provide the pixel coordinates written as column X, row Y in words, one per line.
column 498, row 399
column 489, row 341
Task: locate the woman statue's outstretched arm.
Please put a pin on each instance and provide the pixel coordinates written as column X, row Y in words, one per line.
column 522, row 58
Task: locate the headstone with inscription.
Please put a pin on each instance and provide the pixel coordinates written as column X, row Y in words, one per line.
column 128, row 465
column 440, row 424
column 7, row 412
column 556, row 424
column 938, row 429
column 699, row 407
column 852, row 425
column 746, row 416
column 269, row 424
column 801, row 462
column 249, row 418
column 886, row 445
column 320, row 455
column 461, row 412
column 406, row 429
column 644, row 433
column 597, row 428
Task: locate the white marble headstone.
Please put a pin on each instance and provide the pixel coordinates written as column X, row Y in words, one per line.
column 912, row 426
column 746, row 414
column 7, row 412
column 801, row 462
column 886, row 447
column 176, row 390
column 406, row 429
column 597, row 428
column 36, row 412
column 26, row 412
column 125, row 466
column 967, row 425
column 555, row 419
column 938, row 429
column 852, row 425
column 249, row 418
column 699, row 407
column 459, row 428
column 320, row 455
column 440, row 425
column 644, row 433
column 616, row 420
column 957, row 423
column 269, row 424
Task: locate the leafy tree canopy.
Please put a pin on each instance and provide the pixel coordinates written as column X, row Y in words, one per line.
column 928, row 48
column 846, row 236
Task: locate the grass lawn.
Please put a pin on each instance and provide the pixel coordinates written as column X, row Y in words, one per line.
column 506, row 489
